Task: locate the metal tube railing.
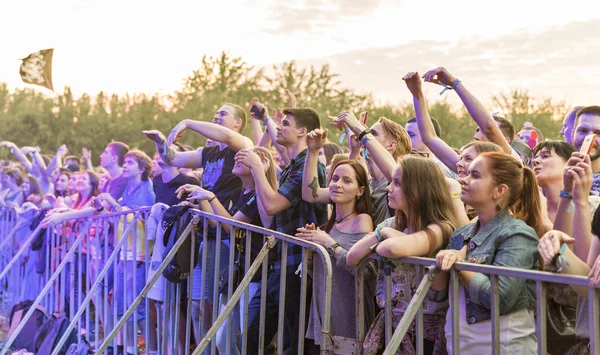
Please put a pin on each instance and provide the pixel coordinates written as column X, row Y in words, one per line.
column 540, row 277
column 46, row 288
column 84, row 306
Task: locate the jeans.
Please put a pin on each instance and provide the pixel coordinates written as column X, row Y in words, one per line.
column 237, row 321
column 125, row 296
column 291, row 316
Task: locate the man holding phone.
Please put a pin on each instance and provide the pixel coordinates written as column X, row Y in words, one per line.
column 587, row 122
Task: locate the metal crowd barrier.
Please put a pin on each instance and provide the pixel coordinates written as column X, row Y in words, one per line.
column 415, row 309
column 8, row 220
column 72, row 255
column 177, row 337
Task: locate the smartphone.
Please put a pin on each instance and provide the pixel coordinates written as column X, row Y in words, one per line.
column 588, row 143
column 363, row 117
column 258, row 111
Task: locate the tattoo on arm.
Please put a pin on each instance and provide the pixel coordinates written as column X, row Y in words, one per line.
column 314, row 185
column 166, row 153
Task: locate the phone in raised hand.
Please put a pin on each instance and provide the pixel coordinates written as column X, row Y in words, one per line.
column 588, row 143
column 258, row 110
column 363, row 117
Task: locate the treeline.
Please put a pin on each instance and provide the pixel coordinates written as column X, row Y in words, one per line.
column 29, row 118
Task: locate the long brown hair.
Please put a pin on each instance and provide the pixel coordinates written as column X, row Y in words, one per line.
column 524, row 197
column 363, row 203
column 94, row 182
column 428, row 199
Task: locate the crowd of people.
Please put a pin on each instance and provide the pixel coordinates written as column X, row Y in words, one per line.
column 507, row 198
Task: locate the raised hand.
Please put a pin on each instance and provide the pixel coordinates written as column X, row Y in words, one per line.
column 413, row 82
column 278, row 116
column 316, row 139
column 257, row 110
column 250, row 159
column 575, row 159
column 348, row 118
column 581, row 175
column 86, row 154
column 550, row 244
column 62, row 150
column 439, row 76
column 155, row 136
column 177, row 132
column 8, row 144
column 291, row 98
column 28, row 150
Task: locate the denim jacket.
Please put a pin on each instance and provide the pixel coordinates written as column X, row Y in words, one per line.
column 504, row 241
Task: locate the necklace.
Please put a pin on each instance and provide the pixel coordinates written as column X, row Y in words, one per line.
column 340, row 220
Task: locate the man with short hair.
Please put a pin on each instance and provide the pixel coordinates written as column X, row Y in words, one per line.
column 588, row 122
column 290, row 212
column 112, row 159
column 569, row 124
column 217, row 164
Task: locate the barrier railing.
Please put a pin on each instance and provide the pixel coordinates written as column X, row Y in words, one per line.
column 8, row 221
column 415, row 310
column 209, row 328
column 71, row 255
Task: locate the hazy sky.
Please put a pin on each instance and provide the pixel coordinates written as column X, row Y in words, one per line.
column 147, row 46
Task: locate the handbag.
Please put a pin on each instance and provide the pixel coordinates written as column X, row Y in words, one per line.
column 237, row 271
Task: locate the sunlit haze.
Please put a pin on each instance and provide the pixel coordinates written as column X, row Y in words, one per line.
column 550, row 47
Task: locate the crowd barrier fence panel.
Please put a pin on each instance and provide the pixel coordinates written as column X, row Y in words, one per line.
column 415, row 309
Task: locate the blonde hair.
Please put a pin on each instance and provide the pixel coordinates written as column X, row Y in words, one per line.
column 396, row 133
column 270, row 173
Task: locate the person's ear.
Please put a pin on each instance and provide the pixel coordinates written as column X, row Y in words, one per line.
column 302, row 132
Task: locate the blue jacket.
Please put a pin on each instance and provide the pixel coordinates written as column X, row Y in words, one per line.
column 504, row 241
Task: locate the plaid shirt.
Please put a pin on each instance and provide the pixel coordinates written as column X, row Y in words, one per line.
column 300, row 212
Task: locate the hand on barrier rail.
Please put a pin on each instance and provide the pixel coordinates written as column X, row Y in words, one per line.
column 315, row 235
column 201, row 194
column 445, row 259
column 550, row 243
column 186, row 189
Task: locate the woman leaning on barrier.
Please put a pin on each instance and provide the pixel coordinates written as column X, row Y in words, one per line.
column 244, row 208
column 505, row 196
column 425, row 218
column 577, row 254
column 348, row 191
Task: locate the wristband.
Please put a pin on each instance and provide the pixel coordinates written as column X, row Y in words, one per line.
column 364, row 133
column 564, row 194
column 366, row 138
column 210, row 200
column 448, row 87
column 265, row 120
column 378, row 234
column 561, row 260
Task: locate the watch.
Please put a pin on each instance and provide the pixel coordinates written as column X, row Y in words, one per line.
column 331, row 249
column 364, row 133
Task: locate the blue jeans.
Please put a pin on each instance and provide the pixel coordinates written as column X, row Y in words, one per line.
column 209, row 289
column 125, row 297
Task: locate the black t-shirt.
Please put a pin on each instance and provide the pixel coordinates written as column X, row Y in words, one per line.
column 165, row 192
column 217, row 176
column 246, row 203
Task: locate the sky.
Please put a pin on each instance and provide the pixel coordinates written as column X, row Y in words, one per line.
column 550, row 47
